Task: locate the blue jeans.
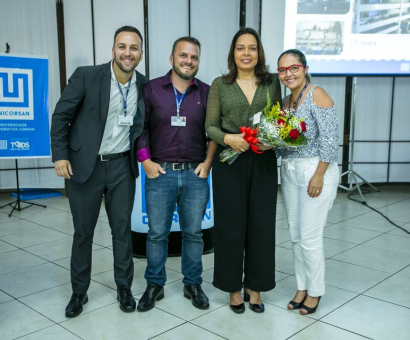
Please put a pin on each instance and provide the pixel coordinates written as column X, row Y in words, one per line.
column 190, row 193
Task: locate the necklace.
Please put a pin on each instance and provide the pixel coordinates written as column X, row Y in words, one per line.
column 248, row 82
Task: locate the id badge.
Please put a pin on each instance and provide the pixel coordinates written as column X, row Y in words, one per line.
column 256, row 118
column 178, row 121
column 125, row 120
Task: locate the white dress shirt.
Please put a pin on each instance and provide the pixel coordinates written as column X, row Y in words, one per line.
column 116, row 137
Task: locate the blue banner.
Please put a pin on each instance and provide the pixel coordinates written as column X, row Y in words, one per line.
column 24, row 118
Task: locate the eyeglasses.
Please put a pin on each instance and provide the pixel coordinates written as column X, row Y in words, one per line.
column 291, row 68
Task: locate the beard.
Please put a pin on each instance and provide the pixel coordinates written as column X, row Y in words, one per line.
column 183, row 76
column 122, row 68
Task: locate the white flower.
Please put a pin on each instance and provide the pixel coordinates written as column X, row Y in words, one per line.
column 295, row 124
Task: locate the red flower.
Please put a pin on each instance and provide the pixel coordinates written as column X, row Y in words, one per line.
column 280, row 121
column 294, row 134
column 303, row 126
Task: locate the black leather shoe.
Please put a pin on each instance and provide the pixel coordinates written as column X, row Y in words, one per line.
column 75, row 306
column 199, row 299
column 238, row 309
column 126, row 300
column 152, row 293
column 257, row 308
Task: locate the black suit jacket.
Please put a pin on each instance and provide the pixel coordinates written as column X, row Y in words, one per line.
column 80, row 116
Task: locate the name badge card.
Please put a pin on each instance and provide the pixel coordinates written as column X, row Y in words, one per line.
column 125, row 120
column 178, row 121
column 256, row 118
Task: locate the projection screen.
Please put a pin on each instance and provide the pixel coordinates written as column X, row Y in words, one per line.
column 351, row 37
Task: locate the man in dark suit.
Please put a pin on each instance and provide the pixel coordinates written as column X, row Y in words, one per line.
column 94, row 127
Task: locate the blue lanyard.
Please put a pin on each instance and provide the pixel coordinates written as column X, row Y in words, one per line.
column 300, row 96
column 176, row 99
column 124, row 99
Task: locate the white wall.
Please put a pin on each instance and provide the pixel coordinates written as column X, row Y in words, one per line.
column 163, row 31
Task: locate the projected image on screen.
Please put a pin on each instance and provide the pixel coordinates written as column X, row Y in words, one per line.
column 323, row 6
column 392, row 17
column 319, row 37
column 356, row 37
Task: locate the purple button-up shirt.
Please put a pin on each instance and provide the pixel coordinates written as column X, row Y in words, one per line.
column 162, row 142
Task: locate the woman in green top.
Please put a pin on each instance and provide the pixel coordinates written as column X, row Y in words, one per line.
column 244, row 192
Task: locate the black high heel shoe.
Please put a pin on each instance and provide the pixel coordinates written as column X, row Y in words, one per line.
column 257, row 308
column 296, row 305
column 309, row 310
column 238, row 309
column 246, row 296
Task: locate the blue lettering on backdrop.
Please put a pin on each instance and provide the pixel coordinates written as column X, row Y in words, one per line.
column 24, row 111
column 207, row 215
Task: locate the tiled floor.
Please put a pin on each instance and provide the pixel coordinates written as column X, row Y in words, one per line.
column 367, row 293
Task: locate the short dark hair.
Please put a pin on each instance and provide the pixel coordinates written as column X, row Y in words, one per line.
column 300, row 56
column 128, row 29
column 261, row 69
column 187, row 39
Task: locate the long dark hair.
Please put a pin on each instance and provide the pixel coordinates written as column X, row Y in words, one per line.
column 301, row 57
column 261, row 70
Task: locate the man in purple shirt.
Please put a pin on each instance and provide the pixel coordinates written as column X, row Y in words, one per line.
column 176, row 157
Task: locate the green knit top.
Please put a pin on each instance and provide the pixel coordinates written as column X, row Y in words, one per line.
column 228, row 109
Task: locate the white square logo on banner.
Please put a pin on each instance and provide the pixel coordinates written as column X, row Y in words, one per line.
column 16, row 94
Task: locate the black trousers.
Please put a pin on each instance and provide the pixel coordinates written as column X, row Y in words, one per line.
column 115, row 180
column 245, row 195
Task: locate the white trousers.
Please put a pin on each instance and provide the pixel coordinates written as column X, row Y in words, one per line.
column 306, row 218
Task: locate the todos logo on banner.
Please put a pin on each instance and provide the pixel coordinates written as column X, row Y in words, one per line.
column 139, row 218
column 24, row 121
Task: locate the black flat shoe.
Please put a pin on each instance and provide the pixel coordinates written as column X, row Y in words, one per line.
column 199, row 299
column 152, row 293
column 75, row 306
column 238, row 309
column 296, row 305
column 126, row 300
column 309, row 310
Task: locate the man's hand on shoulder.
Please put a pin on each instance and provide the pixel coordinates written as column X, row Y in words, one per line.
column 152, row 169
column 63, row 168
column 202, row 170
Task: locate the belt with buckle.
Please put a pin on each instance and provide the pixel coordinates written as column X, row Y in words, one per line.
column 113, row 156
column 178, row 166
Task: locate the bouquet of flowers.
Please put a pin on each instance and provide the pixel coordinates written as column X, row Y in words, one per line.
column 275, row 127
column 280, row 127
